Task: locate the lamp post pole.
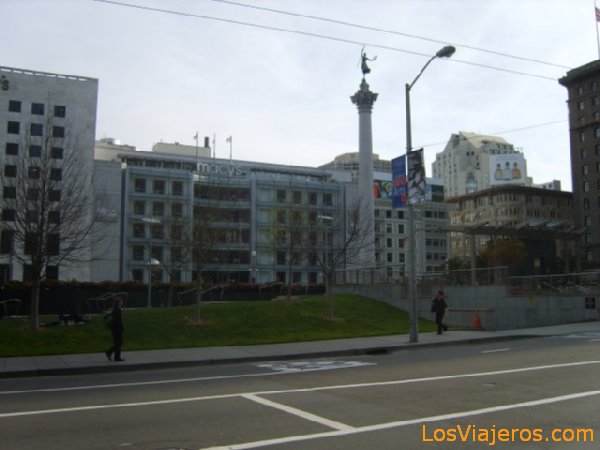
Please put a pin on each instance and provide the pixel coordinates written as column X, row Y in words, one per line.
column 445, row 52
column 150, row 221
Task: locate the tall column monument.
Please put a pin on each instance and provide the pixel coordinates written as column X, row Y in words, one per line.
column 364, row 100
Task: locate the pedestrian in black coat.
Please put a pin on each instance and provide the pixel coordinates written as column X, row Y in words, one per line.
column 439, row 306
column 117, row 329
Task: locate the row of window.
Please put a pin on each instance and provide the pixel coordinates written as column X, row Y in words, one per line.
column 592, row 86
column 7, row 243
column 585, row 153
column 298, row 197
column 587, row 204
column 37, row 109
column 35, row 151
column 31, row 216
column 159, row 187
column 158, row 208
column 35, row 129
column 586, row 186
column 33, row 172
column 33, row 194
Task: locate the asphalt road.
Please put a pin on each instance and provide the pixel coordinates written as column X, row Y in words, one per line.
column 512, row 394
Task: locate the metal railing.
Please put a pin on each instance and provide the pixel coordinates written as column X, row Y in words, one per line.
column 583, row 283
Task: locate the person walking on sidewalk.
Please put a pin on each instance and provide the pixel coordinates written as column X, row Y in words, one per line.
column 439, row 306
column 117, row 329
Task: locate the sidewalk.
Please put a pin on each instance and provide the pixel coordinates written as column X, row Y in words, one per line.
column 152, row 359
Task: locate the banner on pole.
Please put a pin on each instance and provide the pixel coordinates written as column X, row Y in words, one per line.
column 400, row 188
column 417, row 187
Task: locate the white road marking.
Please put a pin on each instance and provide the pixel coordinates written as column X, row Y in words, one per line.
column 496, row 350
column 404, row 423
column 286, row 391
column 310, row 366
column 298, row 412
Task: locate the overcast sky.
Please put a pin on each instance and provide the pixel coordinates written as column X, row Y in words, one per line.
column 284, row 97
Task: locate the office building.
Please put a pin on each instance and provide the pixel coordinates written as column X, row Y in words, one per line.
column 47, row 132
column 583, row 88
column 472, row 162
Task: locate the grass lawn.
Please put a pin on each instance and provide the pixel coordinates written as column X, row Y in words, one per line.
column 231, row 323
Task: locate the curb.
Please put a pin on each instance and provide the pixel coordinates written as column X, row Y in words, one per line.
column 367, row 351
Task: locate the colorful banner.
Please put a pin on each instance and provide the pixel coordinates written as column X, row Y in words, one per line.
column 417, row 187
column 399, row 184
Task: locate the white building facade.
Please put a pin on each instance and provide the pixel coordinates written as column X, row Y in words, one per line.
column 472, row 162
column 46, row 120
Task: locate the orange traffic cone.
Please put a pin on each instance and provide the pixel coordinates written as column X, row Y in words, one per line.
column 476, row 321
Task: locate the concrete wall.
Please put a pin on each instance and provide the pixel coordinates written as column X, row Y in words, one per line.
column 496, row 309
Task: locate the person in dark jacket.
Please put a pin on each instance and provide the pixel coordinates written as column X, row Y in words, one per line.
column 117, row 329
column 439, row 307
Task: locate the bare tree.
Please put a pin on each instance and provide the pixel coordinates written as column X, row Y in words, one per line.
column 344, row 242
column 48, row 205
column 202, row 239
column 289, row 241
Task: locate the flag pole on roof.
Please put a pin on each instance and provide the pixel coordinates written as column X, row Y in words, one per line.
column 230, row 141
column 597, row 20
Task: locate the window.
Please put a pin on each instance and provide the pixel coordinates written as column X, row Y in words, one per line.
column 157, row 231
column 177, row 209
column 297, row 197
column 327, row 199
column 586, row 186
column 177, row 188
column 60, row 111
column 176, row 232
column 582, row 136
column 281, row 258
column 312, row 198
column 158, row 208
column 9, row 192
column 158, row 186
column 13, row 127
column 12, row 148
column 584, row 170
column 9, row 215
column 34, row 172
column 140, row 185
column 7, row 242
column 58, row 132
column 56, row 152
column 54, row 217
column 56, row 174
column 36, row 129
column 14, row 106
column 10, row 171
column 35, row 151
column 176, row 254
column 54, row 195
column 281, row 195
column 139, row 207
column 32, row 216
column 139, row 230
column 37, row 109
column 33, row 194
column 137, row 252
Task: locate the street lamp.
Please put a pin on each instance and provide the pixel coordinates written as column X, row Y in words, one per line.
column 445, row 52
column 151, row 261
